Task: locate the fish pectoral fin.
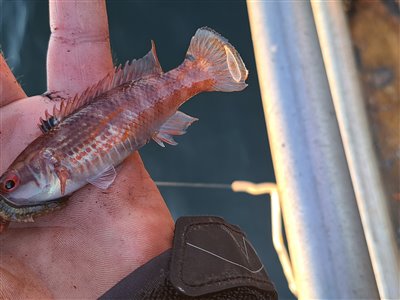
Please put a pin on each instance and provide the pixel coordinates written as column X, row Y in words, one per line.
column 104, row 179
column 63, row 175
column 175, row 125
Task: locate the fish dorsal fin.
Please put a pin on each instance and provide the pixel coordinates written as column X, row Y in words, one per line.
column 104, row 179
column 175, row 125
column 131, row 71
column 146, row 66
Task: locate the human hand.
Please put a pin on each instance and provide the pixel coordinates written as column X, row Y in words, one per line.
column 101, row 236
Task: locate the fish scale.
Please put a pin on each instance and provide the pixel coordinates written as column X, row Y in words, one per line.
column 90, row 134
column 145, row 101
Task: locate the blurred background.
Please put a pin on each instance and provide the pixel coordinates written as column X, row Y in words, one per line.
column 230, row 141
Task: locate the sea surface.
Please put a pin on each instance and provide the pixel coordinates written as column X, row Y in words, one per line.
column 230, row 140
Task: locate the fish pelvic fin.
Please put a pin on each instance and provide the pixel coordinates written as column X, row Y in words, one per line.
column 144, row 67
column 175, row 125
column 219, row 59
column 104, row 179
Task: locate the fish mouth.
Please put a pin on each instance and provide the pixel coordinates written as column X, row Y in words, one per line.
column 9, row 211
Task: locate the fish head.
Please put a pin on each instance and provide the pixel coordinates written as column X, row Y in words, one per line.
column 29, row 181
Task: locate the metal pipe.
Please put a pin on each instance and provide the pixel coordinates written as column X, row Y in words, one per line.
column 325, row 237
column 347, row 97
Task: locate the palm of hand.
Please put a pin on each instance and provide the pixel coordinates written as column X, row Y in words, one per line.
column 101, row 236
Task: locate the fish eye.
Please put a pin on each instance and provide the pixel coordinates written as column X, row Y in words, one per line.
column 9, row 184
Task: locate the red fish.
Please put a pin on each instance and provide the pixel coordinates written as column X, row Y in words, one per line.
column 89, row 135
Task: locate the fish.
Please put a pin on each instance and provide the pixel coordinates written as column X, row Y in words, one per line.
column 87, row 136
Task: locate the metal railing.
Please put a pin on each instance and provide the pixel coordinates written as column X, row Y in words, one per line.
column 337, row 51
column 325, row 236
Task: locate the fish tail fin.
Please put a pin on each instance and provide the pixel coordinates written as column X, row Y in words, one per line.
column 219, row 59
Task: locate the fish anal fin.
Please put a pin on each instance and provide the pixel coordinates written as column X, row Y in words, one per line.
column 131, row 71
column 175, row 125
column 104, row 179
column 166, row 138
column 158, row 141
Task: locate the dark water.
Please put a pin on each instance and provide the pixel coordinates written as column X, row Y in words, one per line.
column 228, row 143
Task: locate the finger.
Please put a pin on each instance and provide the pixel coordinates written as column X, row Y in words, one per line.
column 18, row 126
column 79, row 52
column 10, row 90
